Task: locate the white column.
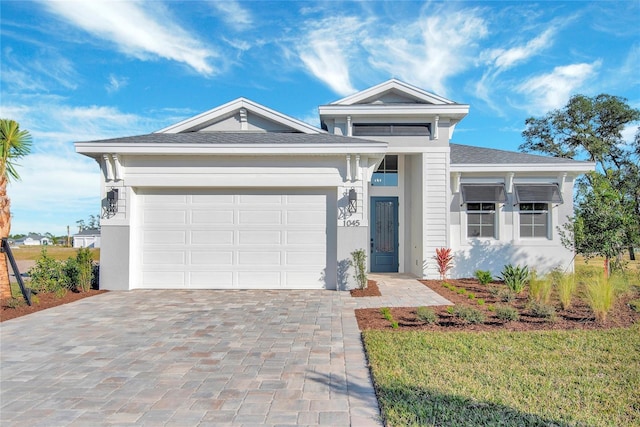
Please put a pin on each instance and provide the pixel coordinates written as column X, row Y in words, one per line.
column 358, row 171
column 348, row 176
column 349, row 126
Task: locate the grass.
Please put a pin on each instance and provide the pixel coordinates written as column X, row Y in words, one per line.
column 32, row 253
column 553, row 377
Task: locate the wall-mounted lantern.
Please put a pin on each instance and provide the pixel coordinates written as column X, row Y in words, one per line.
column 353, row 201
column 112, row 201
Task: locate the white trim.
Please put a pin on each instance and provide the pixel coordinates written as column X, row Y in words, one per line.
column 454, row 111
column 234, row 106
column 390, row 84
column 525, row 167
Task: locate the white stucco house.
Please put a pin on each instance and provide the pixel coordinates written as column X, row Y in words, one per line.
column 87, row 238
column 33, row 240
column 242, row 196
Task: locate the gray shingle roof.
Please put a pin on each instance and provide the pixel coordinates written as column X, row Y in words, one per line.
column 237, row 138
column 468, row 154
column 88, row 232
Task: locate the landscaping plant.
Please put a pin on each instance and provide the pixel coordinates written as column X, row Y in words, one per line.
column 85, row 269
column 515, row 277
column 444, row 260
column 542, row 310
column 359, row 262
column 601, row 295
column 483, row 276
column 468, row 314
column 48, row 275
column 426, row 315
column 566, row 287
column 506, row 313
column 540, row 288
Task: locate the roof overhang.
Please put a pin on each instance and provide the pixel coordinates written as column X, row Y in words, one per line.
column 576, row 167
column 452, row 111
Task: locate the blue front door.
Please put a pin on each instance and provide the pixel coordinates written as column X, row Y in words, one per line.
column 384, row 234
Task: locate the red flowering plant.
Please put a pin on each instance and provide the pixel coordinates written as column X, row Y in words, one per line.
column 444, row 259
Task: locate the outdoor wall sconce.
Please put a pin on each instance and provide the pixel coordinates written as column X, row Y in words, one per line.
column 353, row 201
column 112, row 201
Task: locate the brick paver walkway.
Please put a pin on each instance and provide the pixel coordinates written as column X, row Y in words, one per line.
column 194, row 358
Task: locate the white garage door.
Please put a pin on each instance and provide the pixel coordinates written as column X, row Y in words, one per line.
column 217, row 240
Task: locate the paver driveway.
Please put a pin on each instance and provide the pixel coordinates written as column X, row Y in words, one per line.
column 188, row 358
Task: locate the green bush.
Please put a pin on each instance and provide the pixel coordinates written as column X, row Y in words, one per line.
column 507, row 313
column 483, row 276
column 386, row 313
column 469, row 315
column 48, row 275
column 506, row 295
column 426, row 315
column 491, row 307
column 471, row 295
column 84, row 264
column 543, row 311
column 515, row 277
column 480, row 301
column 450, row 309
column 14, row 302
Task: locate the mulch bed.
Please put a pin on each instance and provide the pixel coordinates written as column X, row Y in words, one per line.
column 579, row 316
column 45, row 300
column 371, row 290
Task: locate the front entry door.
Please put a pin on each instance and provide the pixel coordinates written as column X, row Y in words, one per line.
column 384, row 234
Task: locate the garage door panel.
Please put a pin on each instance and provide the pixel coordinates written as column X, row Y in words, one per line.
column 177, row 217
column 258, row 217
column 259, row 258
column 263, row 279
column 163, row 237
column 213, row 199
column 213, row 258
column 258, row 237
column 212, row 216
column 211, row 279
column 211, row 237
column 232, row 239
column 163, row 257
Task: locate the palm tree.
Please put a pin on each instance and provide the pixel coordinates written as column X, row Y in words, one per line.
column 14, row 144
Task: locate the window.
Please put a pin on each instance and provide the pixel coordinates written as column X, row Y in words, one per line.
column 534, row 220
column 387, row 173
column 391, row 129
column 481, row 220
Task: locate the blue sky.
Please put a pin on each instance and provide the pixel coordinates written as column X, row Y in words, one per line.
column 94, row 70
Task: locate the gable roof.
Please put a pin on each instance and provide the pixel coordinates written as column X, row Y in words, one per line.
column 88, row 232
column 417, row 95
column 202, row 120
column 468, row 157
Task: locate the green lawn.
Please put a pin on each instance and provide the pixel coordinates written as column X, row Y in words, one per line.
column 565, row 378
column 60, row 253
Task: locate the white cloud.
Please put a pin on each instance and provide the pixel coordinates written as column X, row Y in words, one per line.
column 142, row 30
column 552, row 90
column 326, row 50
column 233, row 13
column 507, row 58
column 116, row 83
column 428, row 51
column 45, row 72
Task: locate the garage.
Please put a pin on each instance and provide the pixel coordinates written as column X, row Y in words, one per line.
column 223, row 239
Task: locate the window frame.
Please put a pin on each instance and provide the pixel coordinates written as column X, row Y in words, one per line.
column 388, row 175
column 536, row 209
column 482, row 212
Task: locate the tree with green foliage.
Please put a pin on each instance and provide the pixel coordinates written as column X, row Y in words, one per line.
column 14, row 144
column 607, row 214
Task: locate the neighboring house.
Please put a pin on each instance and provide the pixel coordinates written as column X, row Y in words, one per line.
column 243, row 196
column 33, row 240
column 87, row 238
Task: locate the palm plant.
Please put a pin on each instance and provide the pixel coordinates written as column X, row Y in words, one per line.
column 14, row 144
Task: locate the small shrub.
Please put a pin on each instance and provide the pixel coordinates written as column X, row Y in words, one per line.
column 386, row 313
column 444, row 260
column 48, row 275
column 483, row 276
column 491, row 307
column 426, row 315
column 84, row 264
column 469, row 314
column 394, row 324
column 506, row 295
column 566, row 287
column 540, row 288
column 471, row 295
column 543, row 311
column 480, row 301
column 359, row 263
column 450, row 309
column 506, row 313
column 461, row 291
column 14, row 302
column 515, row 277
column 635, row 305
column 601, row 296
